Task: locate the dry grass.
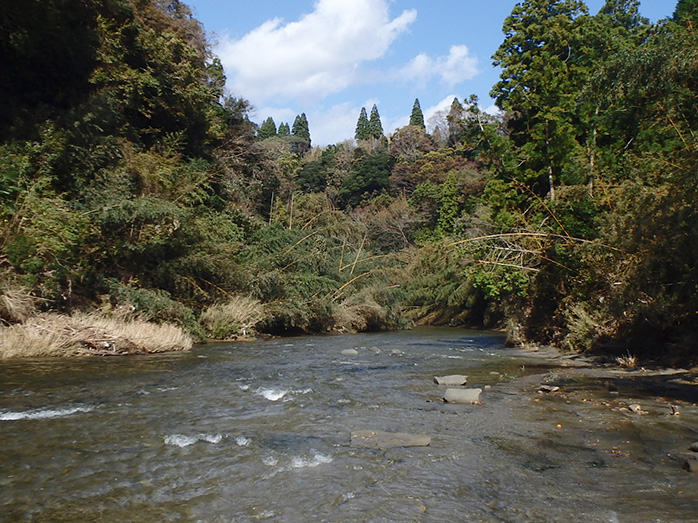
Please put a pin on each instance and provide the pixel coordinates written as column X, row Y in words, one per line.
column 627, row 361
column 17, row 305
column 360, row 314
column 237, row 317
column 89, row 334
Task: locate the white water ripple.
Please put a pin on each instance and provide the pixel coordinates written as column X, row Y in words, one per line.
column 46, row 413
column 272, row 394
column 182, row 440
column 276, row 394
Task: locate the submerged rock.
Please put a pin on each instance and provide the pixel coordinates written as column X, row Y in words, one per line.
column 636, row 409
column 454, row 380
column 375, row 439
column 350, row 352
column 466, row 396
column 691, row 464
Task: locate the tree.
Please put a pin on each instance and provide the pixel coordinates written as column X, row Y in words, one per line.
column 417, row 118
column 686, row 13
column 369, row 175
column 542, row 59
column 300, row 135
column 362, row 126
column 267, row 129
column 454, row 118
column 284, row 129
column 615, row 32
column 374, row 124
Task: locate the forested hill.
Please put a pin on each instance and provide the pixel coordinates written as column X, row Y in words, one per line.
column 133, row 184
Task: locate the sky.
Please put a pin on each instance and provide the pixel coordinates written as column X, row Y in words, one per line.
column 330, row 58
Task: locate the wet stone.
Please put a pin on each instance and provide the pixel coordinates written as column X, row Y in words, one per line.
column 693, row 446
column 464, row 396
column 374, row 439
column 454, row 380
column 350, row 352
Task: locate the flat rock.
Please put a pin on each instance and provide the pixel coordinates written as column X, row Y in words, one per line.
column 454, row 380
column 375, row 439
column 466, row 396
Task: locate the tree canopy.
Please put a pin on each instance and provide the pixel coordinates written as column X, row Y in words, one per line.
column 131, row 181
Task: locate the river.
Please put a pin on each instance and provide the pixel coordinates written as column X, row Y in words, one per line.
column 261, row 431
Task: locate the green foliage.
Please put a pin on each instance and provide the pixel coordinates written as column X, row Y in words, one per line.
column 152, row 305
column 284, row 129
column 300, row 135
column 45, row 43
column 416, row 116
column 137, row 182
column 267, row 129
column 369, row 175
column 362, row 126
column 686, row 12
column 375, row 127
column 449, row 209
column 439, row 291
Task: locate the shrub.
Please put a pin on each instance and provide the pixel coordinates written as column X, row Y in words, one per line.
column 154, row 305
column 238, row 316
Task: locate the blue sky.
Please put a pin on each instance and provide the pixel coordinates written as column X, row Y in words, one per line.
column 330, row 58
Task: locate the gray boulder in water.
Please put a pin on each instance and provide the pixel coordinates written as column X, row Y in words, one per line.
column 466, row 396
column 454, row 380
column 375, row 439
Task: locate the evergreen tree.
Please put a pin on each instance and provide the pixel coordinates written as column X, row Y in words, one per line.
column 284, row 129
column 268, row 129
column 686, row 13
column 374, row 124
column 542, row 60
column 417, row 118
column 362, row 126
column 300, row 134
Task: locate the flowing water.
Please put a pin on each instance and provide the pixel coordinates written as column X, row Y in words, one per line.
column 261, row 432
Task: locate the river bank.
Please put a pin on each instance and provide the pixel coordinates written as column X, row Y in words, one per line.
column 658, row 405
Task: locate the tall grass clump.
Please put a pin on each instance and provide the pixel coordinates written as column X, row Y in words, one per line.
column 16, row 305
column 89, row 334
column 237, row 317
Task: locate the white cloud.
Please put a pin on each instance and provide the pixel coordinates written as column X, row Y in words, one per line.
column 333, row 125
column 453, row 69
column 315, row 56
column 492, row 110
column 434, row 115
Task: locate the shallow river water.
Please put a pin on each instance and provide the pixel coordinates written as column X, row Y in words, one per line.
column 261, row 432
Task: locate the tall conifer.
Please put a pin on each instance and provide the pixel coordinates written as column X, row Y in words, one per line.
column 267, row 129
column 417, row 118
column 300, row 132
column 362, row 126
column 374, row 124
column 284, row 129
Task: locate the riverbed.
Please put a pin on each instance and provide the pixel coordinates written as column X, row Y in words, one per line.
column 261, row 431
